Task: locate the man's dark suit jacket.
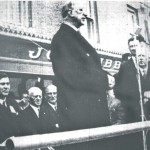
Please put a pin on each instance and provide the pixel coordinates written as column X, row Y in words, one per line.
column 29, row 123
column 8, row 123
column 50, row 118
column 127, row 90
column 80, row 80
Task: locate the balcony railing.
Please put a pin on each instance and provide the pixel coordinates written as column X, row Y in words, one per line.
column 71, row 137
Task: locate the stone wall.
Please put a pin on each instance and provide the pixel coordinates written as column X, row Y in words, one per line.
column 47, row 16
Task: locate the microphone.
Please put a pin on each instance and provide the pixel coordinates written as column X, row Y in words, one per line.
column 137, row 34
column 137, row 31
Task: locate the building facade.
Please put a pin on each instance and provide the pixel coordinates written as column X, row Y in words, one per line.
column 27, row 27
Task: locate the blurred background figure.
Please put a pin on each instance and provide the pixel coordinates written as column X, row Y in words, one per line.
column 114, row 104
column 125, row 57
column 24, row 102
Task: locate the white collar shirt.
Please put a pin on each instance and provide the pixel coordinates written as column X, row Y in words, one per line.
column 53, row 106
column 36, row 110
column 70, row 25
column 2, row 101
column 143, row 71
column 134, row 61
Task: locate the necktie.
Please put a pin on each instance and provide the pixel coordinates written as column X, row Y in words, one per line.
column 38, row 112
column 144, row 73
column 5, row 104
column 55, row 108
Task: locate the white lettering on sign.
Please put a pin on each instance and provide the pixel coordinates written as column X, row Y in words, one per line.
column 101, row 59
column 36, row 55
column 108, row 63
column 117, row 65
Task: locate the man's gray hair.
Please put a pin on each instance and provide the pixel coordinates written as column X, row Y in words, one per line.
column 68, row 6
column 50, row 86
column 32, row 90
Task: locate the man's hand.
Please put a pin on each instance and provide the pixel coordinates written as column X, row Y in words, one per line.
column 146, row 96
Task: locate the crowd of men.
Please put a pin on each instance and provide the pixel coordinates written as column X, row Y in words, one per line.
column 87, row 96
column 36, row 113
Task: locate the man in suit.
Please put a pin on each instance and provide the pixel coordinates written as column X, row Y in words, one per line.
column 144, row 70
column 127, row 86
column 81, row 82
column 49, row 110
column 128, row 81
column 7, row 112
column 28, row 119
column 145, row 80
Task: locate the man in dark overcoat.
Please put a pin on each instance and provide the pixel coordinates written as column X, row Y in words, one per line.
column 79, row 77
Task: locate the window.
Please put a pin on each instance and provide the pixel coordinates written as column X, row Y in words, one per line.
column 30, row 13
column 133, row 19
column 25, row 13
column 92, row 22
column 16, row 13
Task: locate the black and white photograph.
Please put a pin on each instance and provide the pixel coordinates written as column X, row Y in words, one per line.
column 74, row 75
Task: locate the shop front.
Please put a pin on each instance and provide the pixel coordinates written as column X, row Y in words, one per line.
column 26, row 62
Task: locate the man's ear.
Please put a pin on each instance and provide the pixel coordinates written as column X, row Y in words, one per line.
column 70, row 13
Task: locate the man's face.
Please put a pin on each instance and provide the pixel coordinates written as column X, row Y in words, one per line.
column 142, row 55
column 133, row 47
column 25, row 95
column 4, row 86
column 142, row 60
column 51, row 94
column 78, row 16
column 36, row 98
